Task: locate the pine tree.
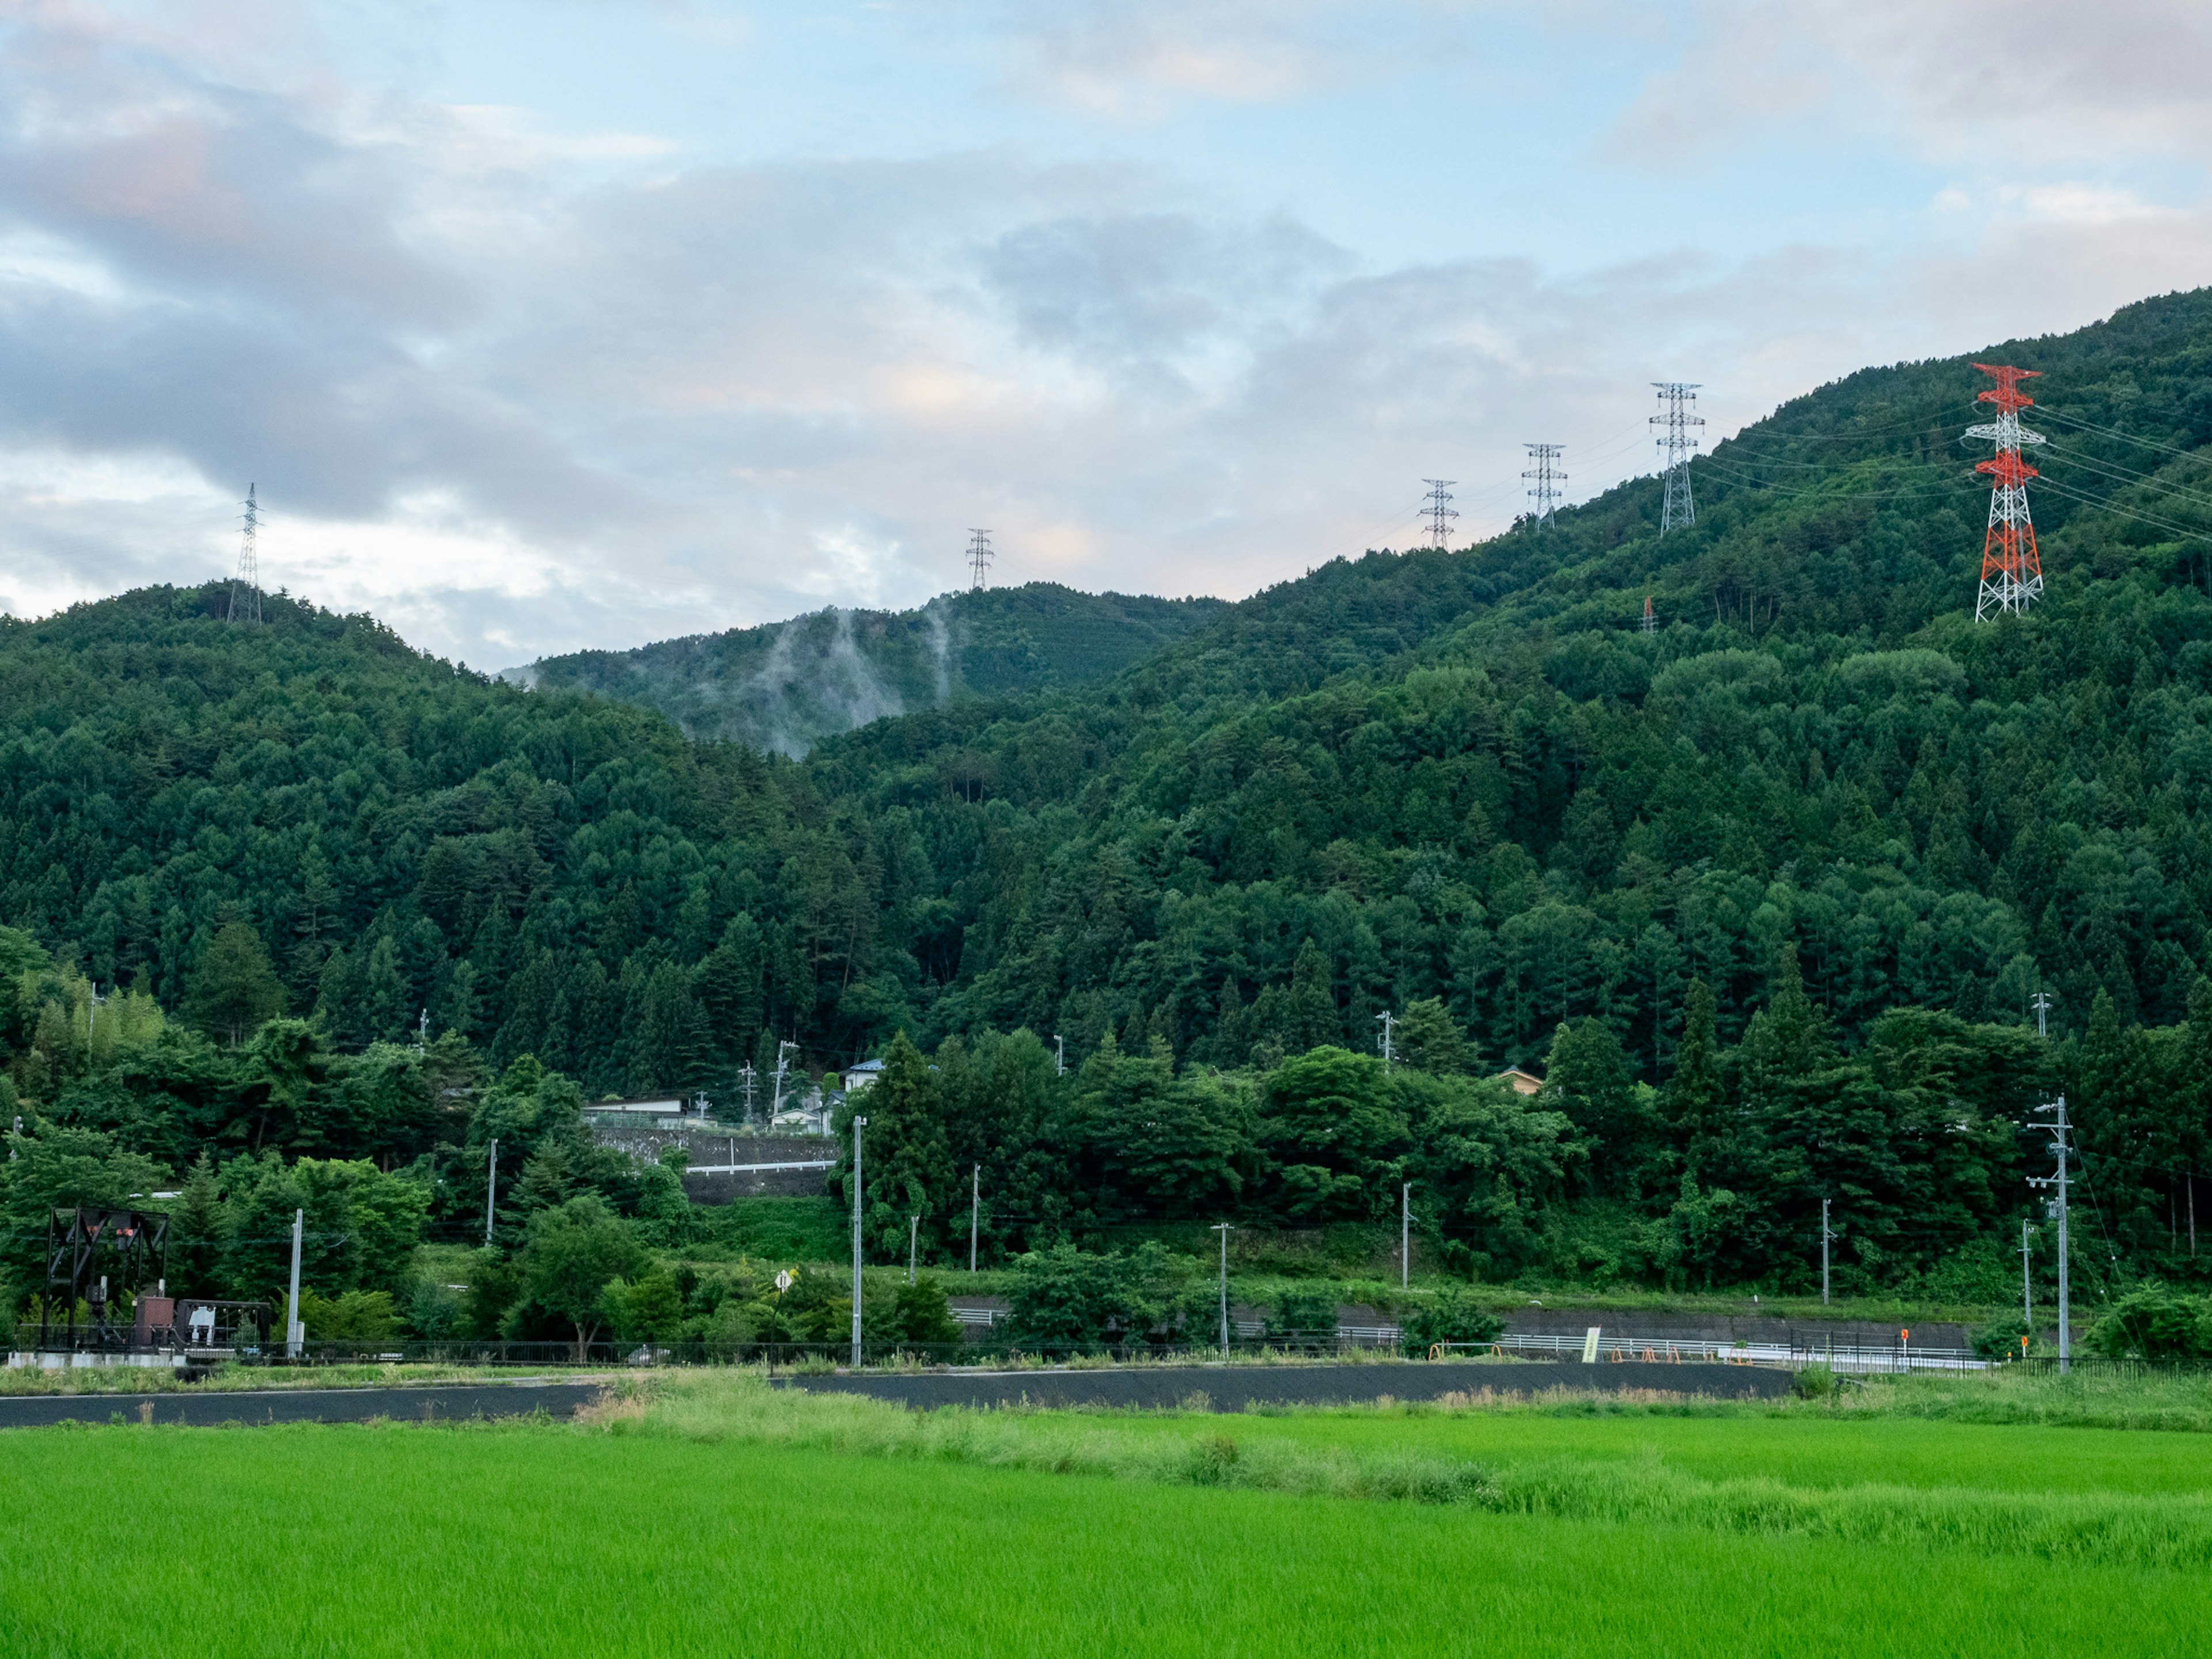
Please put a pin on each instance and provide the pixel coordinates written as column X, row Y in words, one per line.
column 1312, row 1017
column 384, row 989
column 1693, row 1097
column 235, row 988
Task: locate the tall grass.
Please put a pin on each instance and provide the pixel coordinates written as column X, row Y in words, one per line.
column 2088, row 1528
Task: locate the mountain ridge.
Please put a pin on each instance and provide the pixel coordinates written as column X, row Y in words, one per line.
column 785, row 686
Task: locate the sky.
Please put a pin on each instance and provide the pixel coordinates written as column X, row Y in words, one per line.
column 547, row 326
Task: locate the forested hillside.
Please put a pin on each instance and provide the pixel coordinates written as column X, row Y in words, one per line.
column 1765, row 889
column 788, row 685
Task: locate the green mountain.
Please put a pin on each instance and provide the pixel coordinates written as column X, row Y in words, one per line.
column 788, row 685
column 1766, row 889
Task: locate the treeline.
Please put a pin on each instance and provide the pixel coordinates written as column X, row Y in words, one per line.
column 1921, row 1142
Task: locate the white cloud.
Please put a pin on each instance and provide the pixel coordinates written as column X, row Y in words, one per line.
column 521, row 392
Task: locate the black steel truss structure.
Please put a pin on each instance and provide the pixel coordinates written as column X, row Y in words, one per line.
column 94, row 1258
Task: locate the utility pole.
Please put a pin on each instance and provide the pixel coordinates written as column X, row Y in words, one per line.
column 1222, row 1227
column 975, row 1214
column 245, row 586
column 979, row 559
column 2041, row 1004
column 296, row 1328
column 2058, row 1149
column 2011, row 570
column 1548, row 479
column 1440, row 511
column 1650, row 622
column 1405, row 1234
column 776, row 1106
column 913, row 1243
column 1059, row 1056
column 491, row 1189
column 859, row 1124
column 745, row 1076
column 1676, row 399
column 1389, row 1022
column 1825, row 1237
column 423, row 1031
column 2027, row 1282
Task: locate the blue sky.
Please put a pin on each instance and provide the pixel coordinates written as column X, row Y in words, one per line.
column 566, row 323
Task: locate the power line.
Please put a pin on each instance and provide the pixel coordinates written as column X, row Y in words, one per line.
column 2125, row 437
column 1676, row 398
column 2128, row 476
column 2126, row 513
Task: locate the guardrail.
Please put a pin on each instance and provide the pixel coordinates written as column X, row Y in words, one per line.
column 1679, row 1350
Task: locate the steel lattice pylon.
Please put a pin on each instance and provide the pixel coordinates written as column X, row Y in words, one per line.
column 2012, row 571
column 245, row 586
column 1676, row 399
column 1548, row 477
column 1440, row 511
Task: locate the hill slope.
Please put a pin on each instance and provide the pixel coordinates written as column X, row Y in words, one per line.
column 1467, row 783
column 788, row 685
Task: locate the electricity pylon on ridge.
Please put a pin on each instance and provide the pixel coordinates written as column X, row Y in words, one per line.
column 1548, row 478
column 2011, row 570
column 1676, row 399
column 245, row 586
column 979, row 558
column 1650, row 622
column 1440, row 511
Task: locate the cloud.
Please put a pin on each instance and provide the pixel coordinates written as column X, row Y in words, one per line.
column 520, row 391
column 2010, row 85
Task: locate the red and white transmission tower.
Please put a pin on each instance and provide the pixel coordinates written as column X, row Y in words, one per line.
column 2012, row 572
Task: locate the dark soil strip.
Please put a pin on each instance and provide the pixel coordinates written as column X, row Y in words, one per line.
column 430, row 1402
column 1233, row 1388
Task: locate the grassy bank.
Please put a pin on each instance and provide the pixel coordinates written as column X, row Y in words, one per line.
column 1472, row 1458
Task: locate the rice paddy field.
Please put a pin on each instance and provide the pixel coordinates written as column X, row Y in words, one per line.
column 709, row 1513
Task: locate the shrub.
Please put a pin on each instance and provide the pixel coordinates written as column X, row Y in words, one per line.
column 1813, row 1382
column 1304, row 1310
column 2154, row 1321
column 356, row 1316
column 1065, row 1299
column 924, row 1314
column 1451, row 1316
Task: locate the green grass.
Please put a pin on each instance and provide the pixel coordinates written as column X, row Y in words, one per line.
column 536, row 1541
column 778, row 1232
column 705, row 1512
column 1797, row 1451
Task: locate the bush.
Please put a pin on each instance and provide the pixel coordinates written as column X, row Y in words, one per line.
column 1451, row 1316
column 2154, row 1321
column 923, row 1314
column 1304, row 1310
column 1813, row 1382
column 1065, row 1299
column 357, row 1317
column 647, row 1310
column 2000, row 1339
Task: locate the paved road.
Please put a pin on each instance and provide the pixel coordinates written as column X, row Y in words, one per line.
column 1233, row 1388
column 426, row 1402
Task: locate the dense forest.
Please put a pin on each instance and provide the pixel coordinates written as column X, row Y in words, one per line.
column 786, row 686
column 1776, row 878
